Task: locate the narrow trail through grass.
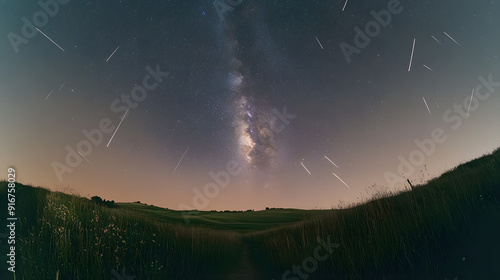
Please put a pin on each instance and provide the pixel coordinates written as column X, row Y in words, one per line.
column 246, row 268
column 446, row 228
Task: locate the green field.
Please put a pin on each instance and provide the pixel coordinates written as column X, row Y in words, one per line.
column 447, row 227
column 242, row 222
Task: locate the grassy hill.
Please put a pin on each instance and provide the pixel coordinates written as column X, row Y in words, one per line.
column 445, row 228
column 432, row 232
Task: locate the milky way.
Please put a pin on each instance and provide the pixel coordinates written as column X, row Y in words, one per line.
column 251, row 115
column 231, row 75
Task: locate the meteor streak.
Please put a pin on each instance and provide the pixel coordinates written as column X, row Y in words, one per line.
column 112, row 53
column 84, row 157
column 472, row 96
column 319, row 43
column 181, row 160
column 49, row 94
column 427, row 106
column 436, row 39
column 118, row 127
column 305, row 168
column 452, row 39
column 331, row 161
column 49, row 38
column 345, row 5
column 341, row 180
column 411, row 57
column 428, row 67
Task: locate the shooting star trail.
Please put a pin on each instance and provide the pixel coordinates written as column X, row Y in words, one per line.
column 331, row 161
column 427, row 106
column 112, row 53
column 345, row 4
column 319, row 43
column 437, row 104
column 436, row 39
column 341, row 180
column 62, row 85
column 472, row 96
column 428, row 67
column 180, row 160
column 84, row 157
column 49, row 38
column 118, row 127
column 452, row 39
column 49, row 94
column 305, row 168
column 411, row 57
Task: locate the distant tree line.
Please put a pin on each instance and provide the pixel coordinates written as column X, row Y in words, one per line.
column 103, row 202
column 139, row 202
column 267, row 208
column 234, row 211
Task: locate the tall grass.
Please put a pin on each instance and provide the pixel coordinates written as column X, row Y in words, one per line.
column 395, row 234
column 409, row 233
column 82, row 240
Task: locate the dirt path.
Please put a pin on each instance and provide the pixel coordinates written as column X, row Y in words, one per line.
column 246, row 269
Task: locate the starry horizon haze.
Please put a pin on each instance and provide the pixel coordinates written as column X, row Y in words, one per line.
column 245, row 104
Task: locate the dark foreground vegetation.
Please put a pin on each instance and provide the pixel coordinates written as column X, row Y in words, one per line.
column 421, row 234
column 431, row 232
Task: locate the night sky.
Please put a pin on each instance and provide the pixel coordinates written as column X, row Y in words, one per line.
column 260, row 94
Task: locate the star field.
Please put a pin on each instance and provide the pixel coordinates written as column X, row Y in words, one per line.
column 269, row 87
